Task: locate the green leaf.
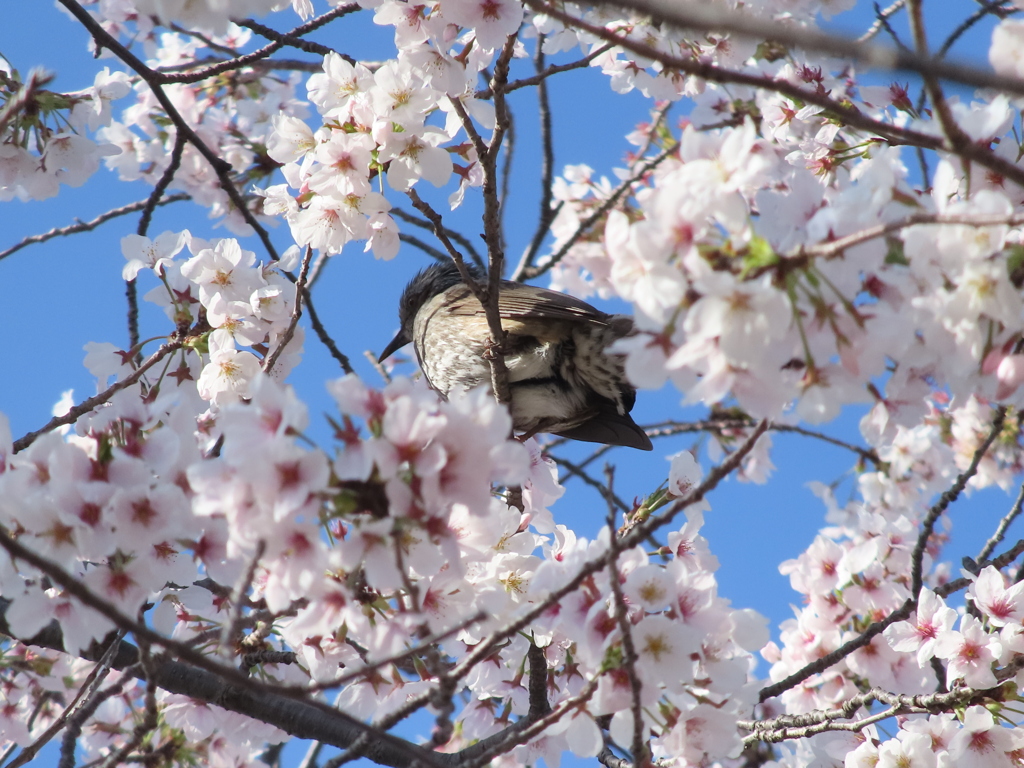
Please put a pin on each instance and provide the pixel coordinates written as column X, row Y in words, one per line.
column 895, row 254
column 759, row 255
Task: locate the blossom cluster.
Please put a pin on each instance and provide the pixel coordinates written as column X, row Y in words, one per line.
column 860, row 570
column 224, row 295
column 415, row 542
column 49, row 146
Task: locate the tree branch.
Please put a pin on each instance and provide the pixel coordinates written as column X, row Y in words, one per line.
column 88, row 404
column 86, row 226
column 709, row 16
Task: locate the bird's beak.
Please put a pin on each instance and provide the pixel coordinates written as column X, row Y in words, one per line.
column 396, row 344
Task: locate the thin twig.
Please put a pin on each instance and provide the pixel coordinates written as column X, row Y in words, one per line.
column 286, row 337
column 821, row 720
column 947, row 498
column 154, row 80
column 77, row 721
column 1004, row 525
column 286, row 38
column 541, row 76
column 424, row 246
column 836, row 247
column 88, row 404
column 881, row 20
column 547, row 168
column 999, row 9
column 486, row 750
column 850, row 116
column 324, row 336
column 131, row 287
column 904, row 611
column 630, row 657
column 610, row 202
column 538, row 682
column 85, row 694
column 455, row 237
column 721, row 425
column 290, row 38
column 230, row 628
column 606, row 493
column 713, row 16
column 85, row 226
column 150, row 719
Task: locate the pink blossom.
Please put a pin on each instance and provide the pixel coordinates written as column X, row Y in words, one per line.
column 969, row 653
column 492, row 20
column 981, row 743
column 1001, row 604
column 920, row 633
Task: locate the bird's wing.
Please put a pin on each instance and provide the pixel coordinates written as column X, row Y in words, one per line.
column 517, row 301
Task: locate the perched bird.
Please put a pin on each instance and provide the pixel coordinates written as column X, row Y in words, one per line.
column 562, row 379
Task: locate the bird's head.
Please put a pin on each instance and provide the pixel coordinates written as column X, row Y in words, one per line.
column 428, row 283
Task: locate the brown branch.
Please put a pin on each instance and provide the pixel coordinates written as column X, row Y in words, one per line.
column 262, row 66
column 88, row 404
column 85, row 226
column 949, row 496
column 161, row 185
column 131, row 287
column 300, row 291
column 834, row 248
column 280, row 41
column 206, row 679
column 538, row 683
column 154, row 80
column 881, row 20
column 710, row 16
column 1001, row 529
column 903, row 612
column 630, row 657
column 295, row 40
column 820, row 720
column 848, row 115
column 625, row 186
column 541, row 76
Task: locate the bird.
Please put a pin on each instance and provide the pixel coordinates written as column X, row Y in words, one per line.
column 562, row 378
